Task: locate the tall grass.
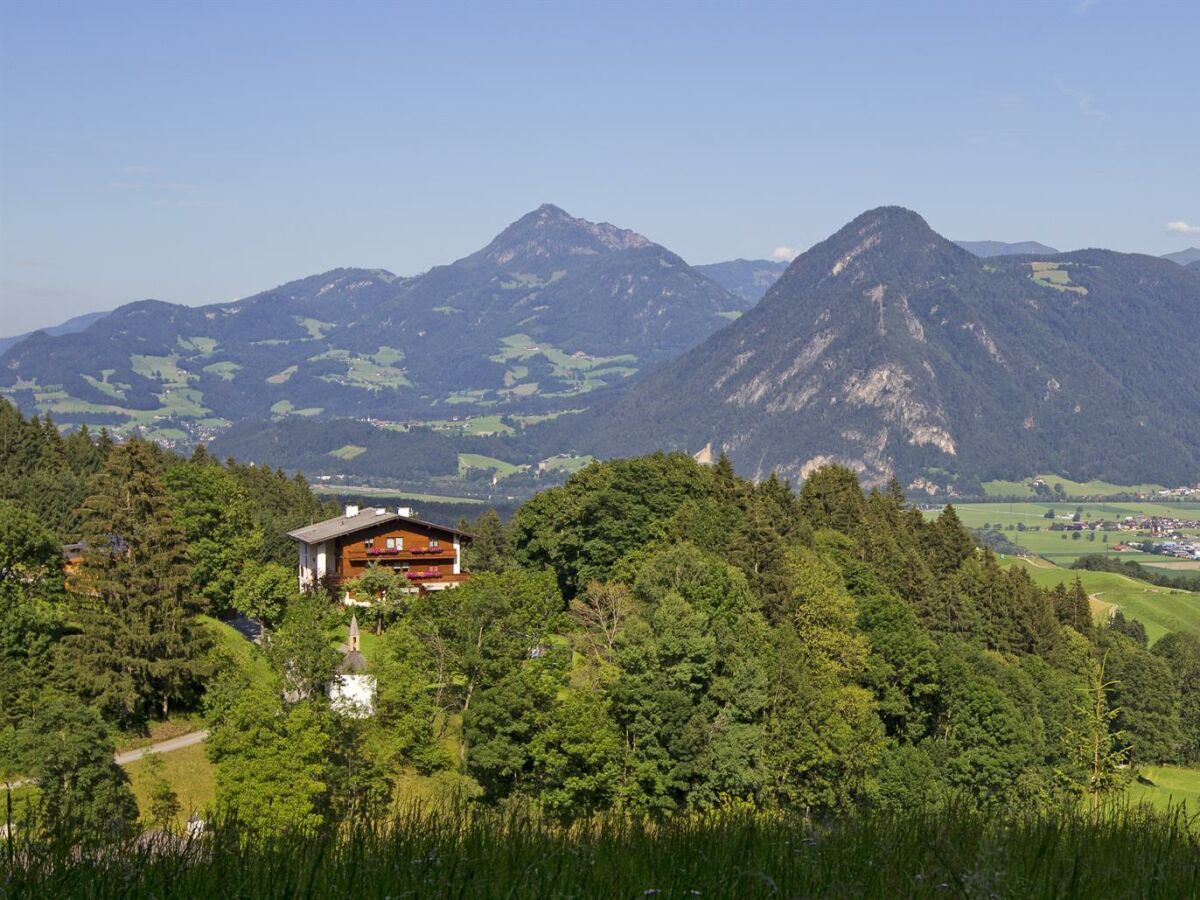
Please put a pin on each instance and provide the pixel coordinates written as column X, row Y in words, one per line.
column 480, row 853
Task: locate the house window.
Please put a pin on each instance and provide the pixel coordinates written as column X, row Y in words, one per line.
column 395, row 543
column 369, row 543
column 433, row 543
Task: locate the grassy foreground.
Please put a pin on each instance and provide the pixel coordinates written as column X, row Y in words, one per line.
column 1130, row 853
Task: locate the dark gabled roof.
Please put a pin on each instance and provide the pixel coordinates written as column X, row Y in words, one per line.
column 353, row 663
column 368, row 518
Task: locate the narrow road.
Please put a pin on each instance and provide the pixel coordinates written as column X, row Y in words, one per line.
column 175, row 743
column 131, row 756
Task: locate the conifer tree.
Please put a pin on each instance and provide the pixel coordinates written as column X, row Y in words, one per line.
column 1071, row 607
column 832, row 498
column 489, row 551
column 1100, row 745
column 138, row 648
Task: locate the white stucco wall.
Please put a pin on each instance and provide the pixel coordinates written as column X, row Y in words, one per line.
column 353, row 695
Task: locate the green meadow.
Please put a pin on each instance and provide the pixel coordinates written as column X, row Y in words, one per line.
column 1160, row 610
column 1070, row 488
column 467, row 461
column 381, row 493
column 1164, row 787
column 1063, row 547
column 580, row 372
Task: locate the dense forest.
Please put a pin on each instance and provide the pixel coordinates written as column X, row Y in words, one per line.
column 655, row 636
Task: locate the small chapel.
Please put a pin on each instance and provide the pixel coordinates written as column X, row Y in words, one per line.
column 352, row 691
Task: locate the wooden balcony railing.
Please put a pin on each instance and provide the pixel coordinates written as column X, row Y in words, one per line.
column 410, row 553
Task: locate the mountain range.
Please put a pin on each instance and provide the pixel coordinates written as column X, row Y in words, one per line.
column 886, row 347
column 896, row 352
column 1184, row 257
column 78, row 323
column 748, row 278
column 555, row 307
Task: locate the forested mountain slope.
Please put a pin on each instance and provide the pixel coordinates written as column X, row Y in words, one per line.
column 72, row 325
column 892, row 350
column 553, row 308
column 1186, row 257
column 748, row 278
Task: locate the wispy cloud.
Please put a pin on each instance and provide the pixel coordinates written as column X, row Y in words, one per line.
column 1183, row 228
column 1084, row 101
column 785, row 254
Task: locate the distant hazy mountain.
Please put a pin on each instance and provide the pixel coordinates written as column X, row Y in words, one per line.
column 1184, row 257
column 551, row 310
column 894, row 351
column 68, row 327
column 1193, row 266
column 748, row 278
column 1000, row 248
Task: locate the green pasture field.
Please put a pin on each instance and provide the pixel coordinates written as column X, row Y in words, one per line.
column 223, row 370
column 1048, row 274
column 287, row 408
column 160, row 368
column 348, row 451
column 1060, row 547
column 189, row 773
column 373, row 372
column 1172, row 786
column 114, row 389
column 282, row 376
column 583, row 372
column 568, row 464
column 1160, row 610
column 360, row 490
column 488, row 463
column 205, row 346
column 315, row 327
column 1070, row 488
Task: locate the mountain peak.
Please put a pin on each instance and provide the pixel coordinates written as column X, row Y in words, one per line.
column 891, row 220
column 1184, row 257
column 880, row 244
column 550, row 231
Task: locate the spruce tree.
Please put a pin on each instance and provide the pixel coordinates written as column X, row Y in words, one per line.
column 138, row 648
column 1072, row 608
column 489, row 551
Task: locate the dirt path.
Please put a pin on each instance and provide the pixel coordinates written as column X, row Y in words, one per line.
column 175, row 743
column 1038, row 563
column 131, row 756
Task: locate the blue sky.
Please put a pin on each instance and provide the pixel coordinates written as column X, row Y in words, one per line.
column 198, row 153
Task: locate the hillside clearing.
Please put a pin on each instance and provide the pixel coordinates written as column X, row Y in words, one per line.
column 1160, row 610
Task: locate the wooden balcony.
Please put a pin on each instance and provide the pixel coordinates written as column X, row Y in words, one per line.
column 384, row 554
